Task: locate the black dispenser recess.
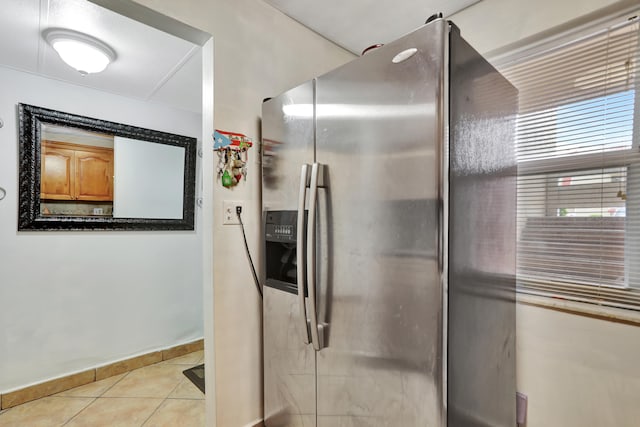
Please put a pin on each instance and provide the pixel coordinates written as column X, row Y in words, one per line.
column 281, row 249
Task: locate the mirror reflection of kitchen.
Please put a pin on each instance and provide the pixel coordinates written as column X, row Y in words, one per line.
column 76, row 172
column 86, row 173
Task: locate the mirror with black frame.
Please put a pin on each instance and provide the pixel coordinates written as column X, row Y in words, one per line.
column 83, row 173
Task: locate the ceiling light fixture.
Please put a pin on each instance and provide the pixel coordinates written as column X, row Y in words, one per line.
column 84, row 53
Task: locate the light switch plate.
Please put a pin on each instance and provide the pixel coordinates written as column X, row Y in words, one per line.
column 229, row 216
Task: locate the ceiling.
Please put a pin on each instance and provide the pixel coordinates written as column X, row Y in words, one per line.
column 357, row 24
column 169, row 75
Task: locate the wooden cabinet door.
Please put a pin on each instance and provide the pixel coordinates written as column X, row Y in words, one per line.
column 57, row 173
column 94, row 175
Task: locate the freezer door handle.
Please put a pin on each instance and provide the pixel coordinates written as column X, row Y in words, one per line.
column 317, row 334
column 300, row 262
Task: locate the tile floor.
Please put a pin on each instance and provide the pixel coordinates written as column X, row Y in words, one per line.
column 157, row 395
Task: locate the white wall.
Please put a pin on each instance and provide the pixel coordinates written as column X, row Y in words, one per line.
column 70, row 301
column 576, row 370
column 259, row 52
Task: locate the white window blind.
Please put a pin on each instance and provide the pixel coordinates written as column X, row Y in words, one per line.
column 579, row 169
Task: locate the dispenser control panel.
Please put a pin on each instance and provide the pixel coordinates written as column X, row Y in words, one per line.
column 281, row 231
column 280, row 226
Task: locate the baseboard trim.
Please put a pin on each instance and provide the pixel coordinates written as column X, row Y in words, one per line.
column 57, row 385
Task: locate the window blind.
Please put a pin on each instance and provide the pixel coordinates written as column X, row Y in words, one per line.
column 577, row 139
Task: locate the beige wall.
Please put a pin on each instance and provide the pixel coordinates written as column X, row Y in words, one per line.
column 259, row 52
column 577, row 371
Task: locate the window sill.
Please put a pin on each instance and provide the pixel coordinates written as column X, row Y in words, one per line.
column 610, row 314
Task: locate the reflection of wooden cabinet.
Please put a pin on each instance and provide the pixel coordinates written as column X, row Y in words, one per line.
column 76, row 172
column 56, row 179
column 94, row 175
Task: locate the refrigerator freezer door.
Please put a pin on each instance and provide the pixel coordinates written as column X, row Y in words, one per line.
column 380, row 136
column 289, row 362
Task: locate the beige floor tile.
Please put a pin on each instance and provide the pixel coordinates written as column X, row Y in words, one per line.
column 95, row 389
column 152, row 381
column 186, row 390
column 46, row 412
column 178, row 413
column 188, row 359
column 116, row 412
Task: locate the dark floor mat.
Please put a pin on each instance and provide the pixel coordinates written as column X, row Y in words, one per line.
column 196, row 375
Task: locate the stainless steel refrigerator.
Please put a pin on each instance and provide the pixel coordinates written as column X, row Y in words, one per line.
column 389, row 225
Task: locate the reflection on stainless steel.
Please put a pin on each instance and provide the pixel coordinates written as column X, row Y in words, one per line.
column 289, row 362
column 385, row 305
column 482, row 244
column 483, row 156
column 378, row 227
column 351, row 111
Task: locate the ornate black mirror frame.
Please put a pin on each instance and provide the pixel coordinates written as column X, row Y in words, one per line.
column 29, row 217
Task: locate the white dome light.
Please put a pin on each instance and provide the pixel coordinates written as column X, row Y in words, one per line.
column 84, row 53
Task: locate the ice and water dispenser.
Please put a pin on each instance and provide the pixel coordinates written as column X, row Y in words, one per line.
column 280, row 240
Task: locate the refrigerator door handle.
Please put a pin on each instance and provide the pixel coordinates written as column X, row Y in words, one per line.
column 300, row 262
column 316, row 329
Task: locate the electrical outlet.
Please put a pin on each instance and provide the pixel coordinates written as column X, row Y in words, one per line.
column 229, row 216
column 521, row 408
